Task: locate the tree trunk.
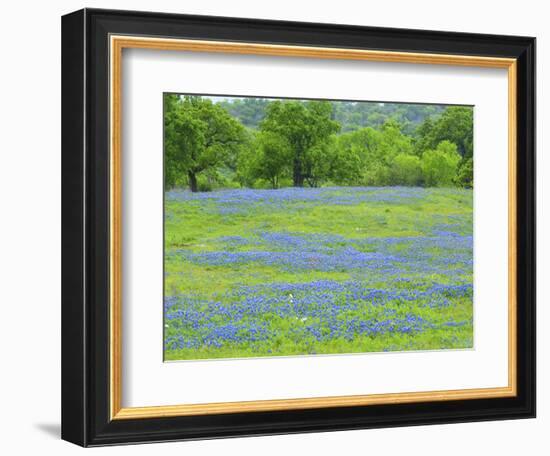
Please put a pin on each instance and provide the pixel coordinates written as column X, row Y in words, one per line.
column 192, row 181
column 297, row 175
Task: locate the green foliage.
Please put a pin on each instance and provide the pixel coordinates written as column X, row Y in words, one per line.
column 465, row 174
column 199, row 136
column 394, row 142
column 346, row 163
column 300, row 143
column 249, row 111
column 369, row 154
column 439, row 166
column 321, row 162
column 406, row 170
column 455, row 124
column 366, row 146
column 305, row 126
column 268, row 158
column 356, row 115
column 351, row 115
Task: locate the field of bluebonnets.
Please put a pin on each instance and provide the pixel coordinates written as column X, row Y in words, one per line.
column 298, row 271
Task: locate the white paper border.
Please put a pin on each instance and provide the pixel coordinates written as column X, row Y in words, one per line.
column 149, row 381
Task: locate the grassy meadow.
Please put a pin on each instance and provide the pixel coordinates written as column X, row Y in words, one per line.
column 303, row 271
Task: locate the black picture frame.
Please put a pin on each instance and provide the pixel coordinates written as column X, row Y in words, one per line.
column 85, row 228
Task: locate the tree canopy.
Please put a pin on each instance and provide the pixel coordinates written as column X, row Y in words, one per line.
column 258, row 142
column 305, row 126
column 455, row 124
column 199, row 136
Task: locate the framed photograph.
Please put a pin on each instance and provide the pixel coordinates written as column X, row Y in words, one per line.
column 278, row 227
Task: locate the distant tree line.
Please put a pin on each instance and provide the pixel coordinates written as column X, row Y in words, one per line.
column 350, row 115
column 278, row 143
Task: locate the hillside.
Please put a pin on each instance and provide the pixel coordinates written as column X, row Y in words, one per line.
column 351, row 115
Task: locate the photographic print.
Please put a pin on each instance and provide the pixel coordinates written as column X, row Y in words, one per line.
column 315, row 227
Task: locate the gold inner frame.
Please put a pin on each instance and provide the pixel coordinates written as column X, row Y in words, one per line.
column 117, row 44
